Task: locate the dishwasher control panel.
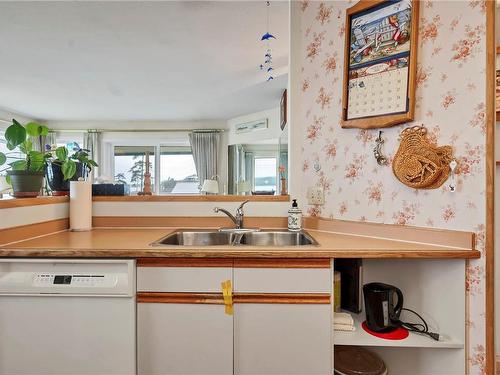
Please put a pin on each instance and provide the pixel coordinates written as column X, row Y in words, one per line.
column 75, row 280
column 73, row 277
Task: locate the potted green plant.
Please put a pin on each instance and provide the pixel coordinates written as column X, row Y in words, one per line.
column 64, row 167
column 26, row 172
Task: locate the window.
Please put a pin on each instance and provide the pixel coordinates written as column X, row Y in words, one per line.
column 265, row 173
column 130, row 165
column 174, row 166
column 11, row 155
column 177, row 171
column 67, row 139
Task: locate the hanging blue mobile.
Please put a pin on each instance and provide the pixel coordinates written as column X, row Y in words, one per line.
column 267, row 36
column 267, row 66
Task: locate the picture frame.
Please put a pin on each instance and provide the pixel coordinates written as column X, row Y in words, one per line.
column 497, row 94
column 380, row 63
column 283, row 110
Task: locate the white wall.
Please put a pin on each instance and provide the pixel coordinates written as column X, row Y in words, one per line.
column 186, row 209
column 7, row 116
column 294, row 104
column 16, row 216
column 273, row 131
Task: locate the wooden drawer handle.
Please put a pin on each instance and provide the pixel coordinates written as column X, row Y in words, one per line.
column 283, row 298
column 218, row 298
column 191, row 298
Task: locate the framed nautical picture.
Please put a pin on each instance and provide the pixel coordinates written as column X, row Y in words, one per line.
column 283, row 110
column 497, row 95
column 380, row 57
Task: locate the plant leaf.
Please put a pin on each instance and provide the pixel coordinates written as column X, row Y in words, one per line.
column 15, row 135
column 35, row 129
column 18, row 165
column 68, row 169
column 44, row 130
column 36, row 161
column 3, row 158
column 26, row 146
column 7, row 179
column 62, row 153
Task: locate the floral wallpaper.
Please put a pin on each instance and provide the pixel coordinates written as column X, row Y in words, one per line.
column 450, row 102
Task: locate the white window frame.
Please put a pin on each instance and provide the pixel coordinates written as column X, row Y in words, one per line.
column 263, row 153
column 267, row 155
column 159, row 158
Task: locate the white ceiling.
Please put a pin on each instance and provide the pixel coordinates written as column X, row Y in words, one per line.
column 128, row 60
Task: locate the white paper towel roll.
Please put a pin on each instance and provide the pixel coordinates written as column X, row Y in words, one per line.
column 80, row 205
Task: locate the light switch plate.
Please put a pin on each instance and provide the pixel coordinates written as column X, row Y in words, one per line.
column 315, row 196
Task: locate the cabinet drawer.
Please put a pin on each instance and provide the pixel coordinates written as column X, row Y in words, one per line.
column 292, row 279
column 182, row 279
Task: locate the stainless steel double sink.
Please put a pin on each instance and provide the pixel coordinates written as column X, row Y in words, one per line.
column 198, row 237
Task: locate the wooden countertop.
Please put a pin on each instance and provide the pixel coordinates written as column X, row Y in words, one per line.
column 135, row 243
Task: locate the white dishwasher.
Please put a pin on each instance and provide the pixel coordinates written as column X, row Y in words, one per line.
column 67, row 317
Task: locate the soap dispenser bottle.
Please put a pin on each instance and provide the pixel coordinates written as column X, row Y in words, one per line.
column 294, row 217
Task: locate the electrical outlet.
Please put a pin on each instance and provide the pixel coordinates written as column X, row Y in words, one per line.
column 315, row 196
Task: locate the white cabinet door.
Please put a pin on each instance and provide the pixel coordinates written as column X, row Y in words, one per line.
column 282, row 339
column 187, row 339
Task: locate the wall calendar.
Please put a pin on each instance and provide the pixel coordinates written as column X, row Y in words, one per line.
column 380, row 63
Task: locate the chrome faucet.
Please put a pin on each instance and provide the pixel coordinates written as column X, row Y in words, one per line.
column 236, row 219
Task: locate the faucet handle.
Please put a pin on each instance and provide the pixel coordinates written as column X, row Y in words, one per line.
column 241, row 205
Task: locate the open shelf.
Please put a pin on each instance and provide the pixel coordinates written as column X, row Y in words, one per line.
column 361, row 338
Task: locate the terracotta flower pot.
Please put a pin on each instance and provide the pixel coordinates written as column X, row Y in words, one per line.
column 26, row 184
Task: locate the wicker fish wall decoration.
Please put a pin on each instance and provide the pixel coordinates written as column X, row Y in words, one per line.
column 418, row 163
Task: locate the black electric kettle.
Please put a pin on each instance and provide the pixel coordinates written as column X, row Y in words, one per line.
column 382, row 314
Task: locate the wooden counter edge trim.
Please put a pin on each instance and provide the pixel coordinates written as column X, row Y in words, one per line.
column 6, row 251
column 217, row 299
column 282, row 263
column 193, row 198
column 283, row 298
column 184, row 262
column 26, row 202
column 489, row 248
column 433, row 236
column 191, row 298
column 24, row 232
column 237, row 263
column 186, row 221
